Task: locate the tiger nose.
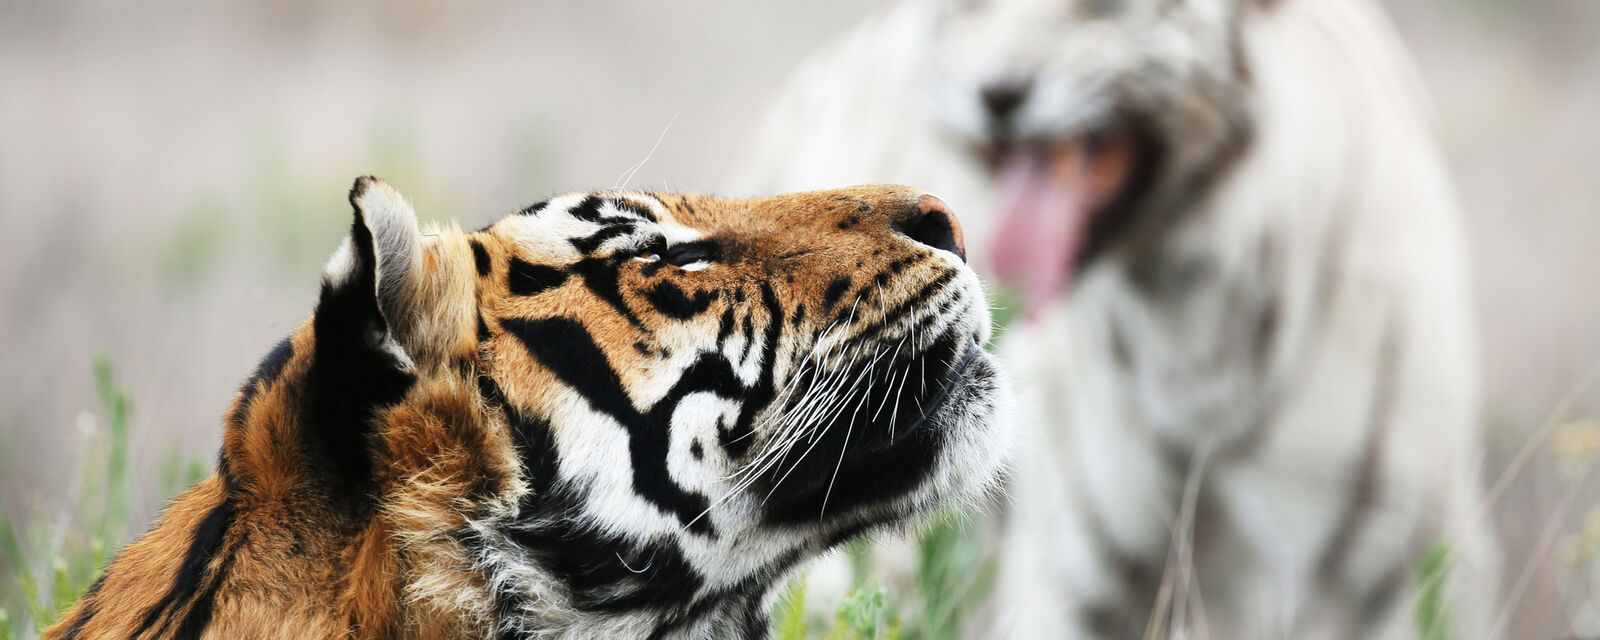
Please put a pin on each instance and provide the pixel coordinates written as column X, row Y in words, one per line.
column 1002, row 99
column 933, row 224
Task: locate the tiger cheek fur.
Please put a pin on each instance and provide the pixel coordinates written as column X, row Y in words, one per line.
column 611, row 414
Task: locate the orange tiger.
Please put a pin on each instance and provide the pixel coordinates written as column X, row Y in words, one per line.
column 612, row 414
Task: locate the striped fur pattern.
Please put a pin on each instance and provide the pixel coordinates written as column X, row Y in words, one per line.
column 1268, row 345
column 612, row 414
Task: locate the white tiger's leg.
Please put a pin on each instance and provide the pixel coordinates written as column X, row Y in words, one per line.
column 1376, row 562
column 1048, row 561
column 1473, row 572
column 1354, row 483
column 1287, row 520
column 1088, row 532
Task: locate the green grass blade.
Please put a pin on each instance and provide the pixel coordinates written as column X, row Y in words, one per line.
column 789, row 618
column 1433, row 617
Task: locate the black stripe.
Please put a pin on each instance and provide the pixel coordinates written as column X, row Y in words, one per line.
column 351, row 376
column 350, row 379
column 835, row 290
column 1327, row 289
column 534, row 209
column 1265, row 335
column 480, row 257
column 876, row 286
column 265, row 374
column 924, row 325
column 268, row 371
column 570, row 353
column 737, row 440
column 905, row 307
column 1376, row 606
column 586, row 245
column 601, row 277
column 650, row 269
column 635, row 208
column 604, row 572
column 725, row 325
column 90, row 607
column 230, row 483
column 536, row 447
column 1380, row 421
column 203, row 547
column 897, row 266
column 528, row 279
column 199, row 615
column 673, row 302
column 737, row 604
column 588, row 209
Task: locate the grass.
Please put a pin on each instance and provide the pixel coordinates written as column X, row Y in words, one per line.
column 1432, row 618
column 953, row 572
column 54, row 557
column 55, row 562
column 864, row 615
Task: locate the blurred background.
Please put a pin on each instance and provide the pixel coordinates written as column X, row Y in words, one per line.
column 172, row 177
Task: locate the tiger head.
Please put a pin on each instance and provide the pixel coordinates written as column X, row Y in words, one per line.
column 611, row 414
column 1101, row 120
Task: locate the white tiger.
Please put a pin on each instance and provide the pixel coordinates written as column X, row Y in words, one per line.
column 1248, row 313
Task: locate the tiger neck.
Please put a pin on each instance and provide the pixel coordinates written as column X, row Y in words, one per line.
column 339, row 480
column 736, row 617
column 615, row 585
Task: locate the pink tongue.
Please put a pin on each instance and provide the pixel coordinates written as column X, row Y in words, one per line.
column 1047, row 199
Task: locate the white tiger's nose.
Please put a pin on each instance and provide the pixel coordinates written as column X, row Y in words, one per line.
column 1003, row 98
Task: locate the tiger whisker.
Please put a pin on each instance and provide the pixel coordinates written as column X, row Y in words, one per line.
column 894, row 417
column 775, row 449
column 809, row 361
column 825, row 426
column 810, row 428
column 809, row 397
column 843, row 448
column 889, row 380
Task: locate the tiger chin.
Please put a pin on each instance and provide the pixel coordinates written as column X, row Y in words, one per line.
column 608, row 415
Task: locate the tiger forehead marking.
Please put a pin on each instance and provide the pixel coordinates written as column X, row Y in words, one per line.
column 610, row 414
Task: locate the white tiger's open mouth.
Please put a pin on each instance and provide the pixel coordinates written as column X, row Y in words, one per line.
column 1060, row 201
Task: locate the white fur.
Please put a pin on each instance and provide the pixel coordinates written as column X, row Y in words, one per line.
column 340, row 265
column 1342, row 149
column 396, row 258
column 395, row 241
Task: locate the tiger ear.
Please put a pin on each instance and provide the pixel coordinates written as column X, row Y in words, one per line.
column 367, row 283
